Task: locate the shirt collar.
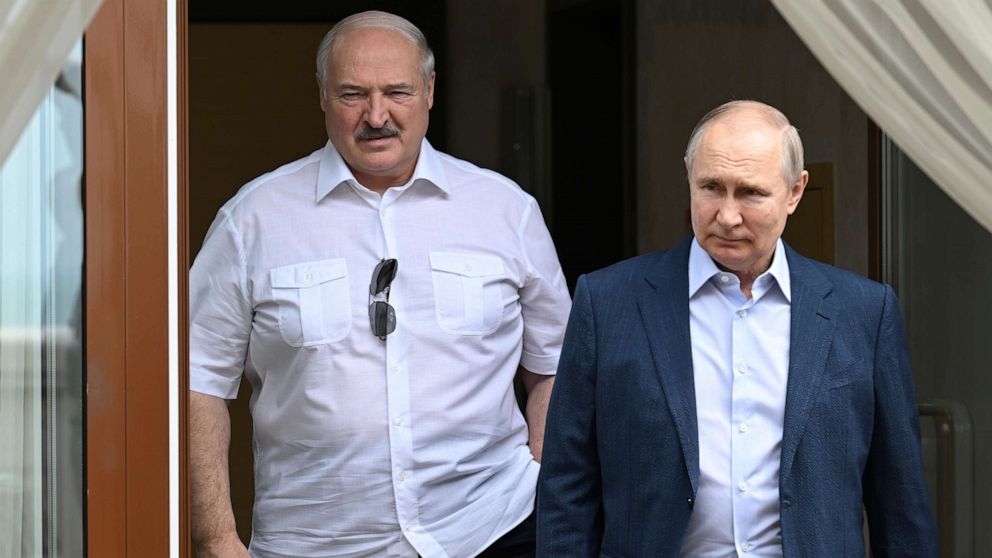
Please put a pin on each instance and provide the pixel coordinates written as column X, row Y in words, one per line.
column 779, row 270
column 334, row 172
column 702, row 268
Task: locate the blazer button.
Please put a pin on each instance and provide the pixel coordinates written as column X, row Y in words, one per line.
column 689, row 501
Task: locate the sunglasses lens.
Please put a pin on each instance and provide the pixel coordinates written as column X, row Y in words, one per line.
column 383, row 275
column 382, row 318
column 390, row 319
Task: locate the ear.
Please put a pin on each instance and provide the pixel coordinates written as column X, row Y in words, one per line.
column 430, row 91
column 796, row 192
column 321, row 93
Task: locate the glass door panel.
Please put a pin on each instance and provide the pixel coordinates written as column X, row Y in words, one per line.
column 939, row 260
column 41, row 360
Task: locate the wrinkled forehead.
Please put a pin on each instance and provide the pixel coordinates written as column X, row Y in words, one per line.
column 742, row 138
column 738, row 154
column 373, row 49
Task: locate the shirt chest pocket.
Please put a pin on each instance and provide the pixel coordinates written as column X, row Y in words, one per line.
column 313, row 301
column 467, row 295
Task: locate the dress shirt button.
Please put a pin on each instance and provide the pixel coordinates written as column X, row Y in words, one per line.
column 396, row 368
column 746, row 547
column 742, row 313
column 402, row 476
column 743, row 427
column 724, row 278
column 468, row 267
column 742, row 486
column 742, row 369
column 398, row 421
column 307, row 276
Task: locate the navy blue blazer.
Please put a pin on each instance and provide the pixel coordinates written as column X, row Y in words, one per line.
column 621, row 450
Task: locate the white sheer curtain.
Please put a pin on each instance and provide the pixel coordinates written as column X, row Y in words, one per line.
column 20, row 350
column 922, row 69
column 35, row 39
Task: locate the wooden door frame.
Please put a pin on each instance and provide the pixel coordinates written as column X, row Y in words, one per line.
column 182, row 115
column 127, row 242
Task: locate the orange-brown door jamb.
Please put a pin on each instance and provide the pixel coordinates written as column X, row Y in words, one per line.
column 127, row 342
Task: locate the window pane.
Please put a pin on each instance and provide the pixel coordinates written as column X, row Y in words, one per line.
column 940, row 262
column 41, row 361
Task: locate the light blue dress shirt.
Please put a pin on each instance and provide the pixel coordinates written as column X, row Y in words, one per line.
column 740, row 358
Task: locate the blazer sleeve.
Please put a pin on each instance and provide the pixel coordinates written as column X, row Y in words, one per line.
column 900, row 520
column 569, row 509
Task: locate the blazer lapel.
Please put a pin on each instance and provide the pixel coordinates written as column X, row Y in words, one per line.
column 810, row 340
column 664, row 308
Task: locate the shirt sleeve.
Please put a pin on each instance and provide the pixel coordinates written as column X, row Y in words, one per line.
column 220, row 312
column 544, row 297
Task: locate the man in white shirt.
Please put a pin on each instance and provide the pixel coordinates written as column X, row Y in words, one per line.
column 380, row 297
column 729, row 397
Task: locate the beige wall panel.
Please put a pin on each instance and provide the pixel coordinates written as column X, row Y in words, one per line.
column 237, row 134
column 491, row 46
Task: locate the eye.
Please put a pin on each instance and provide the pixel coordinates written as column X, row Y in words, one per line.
column 709, row 187
column 400, row 94
column 350, row 96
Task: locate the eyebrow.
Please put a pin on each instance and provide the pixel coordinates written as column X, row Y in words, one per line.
column 715, row 180
column 387, row 87
column 707, row 180
column 401, row 85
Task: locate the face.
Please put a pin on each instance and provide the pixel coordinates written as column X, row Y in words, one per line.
column 740, row 198
column 376, row 105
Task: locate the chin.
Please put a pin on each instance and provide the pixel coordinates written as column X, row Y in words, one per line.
column 732, row 260
column 379, row 164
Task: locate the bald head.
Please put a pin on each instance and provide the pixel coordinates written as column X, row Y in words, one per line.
column 755, row 115
column 381, row 20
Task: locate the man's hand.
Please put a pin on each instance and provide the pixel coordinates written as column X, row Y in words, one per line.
column 231, row 547
column 538, row 388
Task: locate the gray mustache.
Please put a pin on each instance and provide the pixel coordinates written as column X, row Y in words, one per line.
column 370, row 133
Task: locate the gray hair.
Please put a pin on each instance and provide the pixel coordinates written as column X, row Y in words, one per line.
column 792, row 146
column 383, row 20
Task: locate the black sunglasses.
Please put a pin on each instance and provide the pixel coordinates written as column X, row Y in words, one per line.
column 382, row 316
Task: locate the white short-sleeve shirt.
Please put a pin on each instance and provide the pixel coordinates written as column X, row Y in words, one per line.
column 363, row 447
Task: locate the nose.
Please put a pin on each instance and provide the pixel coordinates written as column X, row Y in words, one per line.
column 728, row 215
column 377, row 113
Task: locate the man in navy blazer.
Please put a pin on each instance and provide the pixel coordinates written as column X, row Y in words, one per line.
column 729, row 397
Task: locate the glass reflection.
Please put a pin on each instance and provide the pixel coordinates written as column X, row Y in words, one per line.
column 41, row 360
column 940, row 262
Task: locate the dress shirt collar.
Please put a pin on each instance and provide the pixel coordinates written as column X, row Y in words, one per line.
column 334, row 172
column 702, row 268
